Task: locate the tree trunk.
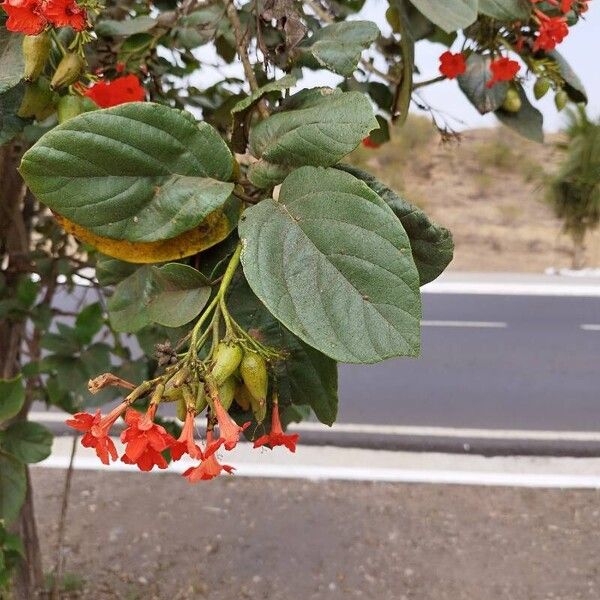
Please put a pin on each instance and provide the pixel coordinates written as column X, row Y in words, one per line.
column 14, row 246
column 578, row 260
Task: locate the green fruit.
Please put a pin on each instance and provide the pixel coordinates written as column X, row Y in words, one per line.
column 512, row 102
column 38, row 101
column 259, row 408
column 227, row 358
column 227, row 391
column 69, row 107
column 201, row 399
column 253, row 370
column 36, row 49
column 181, row 409
column 68, row 71
column 243, row 397
column 560, row 99
column 541, row 87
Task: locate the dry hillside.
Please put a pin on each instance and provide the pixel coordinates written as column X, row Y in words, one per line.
column 487, row 189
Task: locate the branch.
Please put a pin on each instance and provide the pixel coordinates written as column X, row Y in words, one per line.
column 421, row 84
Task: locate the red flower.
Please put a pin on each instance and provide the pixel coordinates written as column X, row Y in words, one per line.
column 503, row 69
column 552, row 32
column 276, row 437
column 145, row 440
column 185, row 443
column 96, row 431
column 229, row 430
column 209, row 468
column 24, row 16
column 369, row 143
column 452, row 65
column 118, row 91
column 66, row 13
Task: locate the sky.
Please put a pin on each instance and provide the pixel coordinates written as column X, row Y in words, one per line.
column 581, row 49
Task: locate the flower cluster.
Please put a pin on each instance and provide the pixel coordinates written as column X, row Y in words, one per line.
column 120, row 90
column 31, row 17
column 146, row 442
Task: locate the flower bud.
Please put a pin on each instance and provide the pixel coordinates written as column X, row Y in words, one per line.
column 227, row 358
column 541, row 87
column 69, row 107
column 38, row 101
column 512, row 102
column 36, row 49
column 226, row 392
column 560, row 99
column 68, row 71
column 253, row 370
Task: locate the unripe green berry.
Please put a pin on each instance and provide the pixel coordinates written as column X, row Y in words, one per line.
column 560, row 99
column 512, row 102
column 227, row 392
column 36, row 49
column 253, row 370
column 68, row 71
column 541, row 87
column 227, row 358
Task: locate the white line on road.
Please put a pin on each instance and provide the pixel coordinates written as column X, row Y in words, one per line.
column 328, row 463
column 476, row 324
column 590, row 327
column 513, row 288
column 404, row 430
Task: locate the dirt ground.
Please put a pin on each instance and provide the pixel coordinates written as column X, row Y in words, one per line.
column 154, row 537
column 487, row 189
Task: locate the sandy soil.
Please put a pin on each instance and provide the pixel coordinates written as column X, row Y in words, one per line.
column 488, row 191
column 156, row 537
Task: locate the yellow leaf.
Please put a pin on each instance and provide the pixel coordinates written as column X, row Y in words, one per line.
column 214, row 229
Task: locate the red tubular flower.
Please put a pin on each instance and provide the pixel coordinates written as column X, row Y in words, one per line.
column 452, row 65
column 229, row 430
column 24, row 16
column 276, row 437
column 553, row 30
column 503, row 69
column 118, row 91
column 369, row 143
column 66, row 13
column 145, row 440
column 185, row 443
column 96, row 431
column 209, row 468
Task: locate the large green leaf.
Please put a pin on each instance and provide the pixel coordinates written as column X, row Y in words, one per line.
column 12, row 396
column 473, row 83
column 337, row 47
column 450, row 15
column 573, row 85
column 432, row 245
column 13, row 485
column 27, row 441
column 506, row 10
column 305, row 376
column 171, row 295
column 140, row 172
column 331, row 261
column 314, row 127
column 126, row 27
column 528, row 121
column 11, row 59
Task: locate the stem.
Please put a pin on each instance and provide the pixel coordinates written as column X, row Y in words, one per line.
column 57, row 41
column 421, row 84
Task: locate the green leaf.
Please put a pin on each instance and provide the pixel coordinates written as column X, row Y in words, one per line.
column 528, row 121
column 171, row 295
column 473, row 83
column 110, row 271
column 263, row 174
column 13, row 485
column 337, row 47
column 450, row 15
column 10, row 123
column 432, row 245
column 27, row 441
column 279, row 85
column 305, row 376
column 12, row 397
column 334, row 265
column 11, row 59
column 573, row 85
column 200, row 26
column 506, row 10
column 89, row 322
column 111, row 28
column 140, row 172
column 314, row 127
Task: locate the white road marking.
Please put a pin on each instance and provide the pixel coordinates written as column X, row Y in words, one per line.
column 590, row 327
column 328, row 463
column 514, row 288
column 476, row 324
column 404, row 430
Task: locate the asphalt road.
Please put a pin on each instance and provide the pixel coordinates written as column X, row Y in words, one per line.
column 528, row 364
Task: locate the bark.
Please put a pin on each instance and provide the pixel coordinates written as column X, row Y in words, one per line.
column 578, row 258
column 14, row 247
